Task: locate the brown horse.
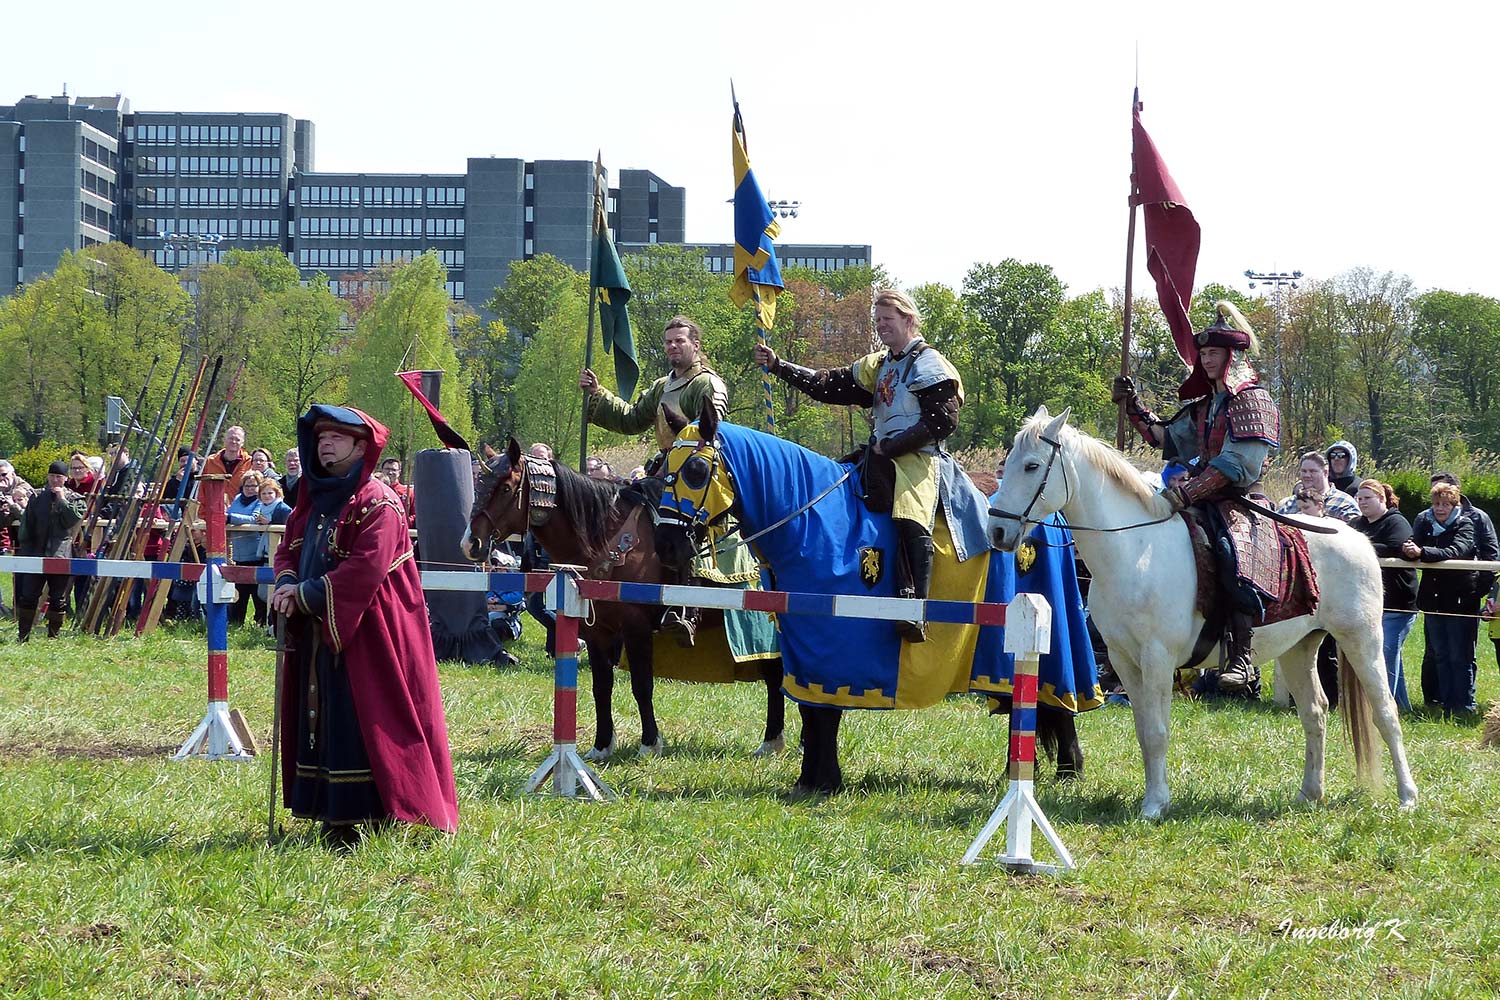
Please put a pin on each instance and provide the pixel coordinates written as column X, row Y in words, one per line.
column 607, row 528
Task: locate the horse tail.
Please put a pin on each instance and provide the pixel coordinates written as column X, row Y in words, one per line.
column 1359, row 725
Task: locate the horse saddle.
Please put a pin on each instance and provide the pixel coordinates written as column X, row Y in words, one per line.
column 1269, row 557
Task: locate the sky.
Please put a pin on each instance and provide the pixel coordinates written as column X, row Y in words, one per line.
column 1310, row 136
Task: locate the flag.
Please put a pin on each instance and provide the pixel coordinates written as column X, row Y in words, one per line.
column 446, row 434
column 607, row 276
column 756, row 274
column 1172, row 239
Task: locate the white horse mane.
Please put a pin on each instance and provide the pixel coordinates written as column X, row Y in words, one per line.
column 1110, row 462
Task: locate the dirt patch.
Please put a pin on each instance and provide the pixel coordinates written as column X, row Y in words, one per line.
column 94, row 751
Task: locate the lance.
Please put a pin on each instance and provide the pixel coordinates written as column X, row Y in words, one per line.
column 98, row 491
column 142, row 532
column 588, row 345
column 1135, row 197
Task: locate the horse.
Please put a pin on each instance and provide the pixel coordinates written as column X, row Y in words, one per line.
column 1141, row 600
column 588, row 522
column 789, row 502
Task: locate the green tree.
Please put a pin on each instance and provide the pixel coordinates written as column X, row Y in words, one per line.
column 407, row 327
column 1013, row 305
column 1459, row 335
column 1376, row 318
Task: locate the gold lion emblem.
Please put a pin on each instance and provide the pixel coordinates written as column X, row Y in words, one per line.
column 870, row 566
column 1025, row 557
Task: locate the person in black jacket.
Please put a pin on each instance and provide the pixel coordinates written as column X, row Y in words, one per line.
column 1446, row 596
column 1388, row 530
column 1486, row 546
column 48, row 525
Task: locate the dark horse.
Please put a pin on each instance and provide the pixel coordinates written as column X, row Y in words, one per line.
column 607, row 528
column 791, row 498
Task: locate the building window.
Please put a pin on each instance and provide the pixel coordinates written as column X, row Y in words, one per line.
column 530, row 247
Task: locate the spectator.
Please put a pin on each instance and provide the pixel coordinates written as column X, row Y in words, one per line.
column 598, row 468
column 1485, row 548
column 175, row 490
column 1445, row 596
column 245, row 547
column 10, row 514
column 390, row 469
column 80, row 474
column 293, row 476
column 230, row 461
column 124, row 476
column 81, row 479
column 1310, row 504
column 1342, row 462
column 273, row 510
column 46, row 529
column 1388, row 530
column 96, row 465
column 1312, row 472
column 1174, row 475
column 260, row 461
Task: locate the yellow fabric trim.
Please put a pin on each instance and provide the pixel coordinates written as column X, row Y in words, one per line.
column 916, row 488
column 333, row 628
column 841, row 698
column 932, row 670
column 1046, row 695
column 867, row 368
column 401, row 559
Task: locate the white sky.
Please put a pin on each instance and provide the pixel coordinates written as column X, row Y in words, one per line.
column 1315, row 136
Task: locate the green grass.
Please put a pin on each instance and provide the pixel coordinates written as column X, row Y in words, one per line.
column 125, row 875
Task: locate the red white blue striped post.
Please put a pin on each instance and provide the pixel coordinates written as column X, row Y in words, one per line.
column 1028, row 634
column 567, row 770
column 215, row 738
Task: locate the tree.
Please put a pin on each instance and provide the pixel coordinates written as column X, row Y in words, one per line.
column 1012, row 304
column 1460, row 335
column 405, row 328
column 299, row 354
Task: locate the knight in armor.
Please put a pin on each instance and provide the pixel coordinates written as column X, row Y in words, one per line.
column 1227, row 428
column 914, row 394
column 685, row 388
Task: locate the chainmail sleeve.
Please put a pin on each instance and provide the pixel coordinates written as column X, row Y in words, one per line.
column 830, row 385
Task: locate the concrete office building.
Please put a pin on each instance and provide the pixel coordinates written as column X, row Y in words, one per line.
column 78, row 171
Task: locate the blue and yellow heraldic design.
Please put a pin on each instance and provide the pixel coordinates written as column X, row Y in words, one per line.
column 839, row 547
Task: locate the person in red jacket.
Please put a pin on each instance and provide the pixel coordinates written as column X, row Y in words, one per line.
column 366, row 739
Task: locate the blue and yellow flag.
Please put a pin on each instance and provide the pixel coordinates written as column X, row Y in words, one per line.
column 613, row 291
column 756, row 274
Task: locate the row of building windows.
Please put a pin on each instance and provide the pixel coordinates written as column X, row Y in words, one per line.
column 354, row 257
column 97, row 217
column 726, row 264
column 261, row 197
column 328, row 227
column 102, row 155
column 93, row 182
column 250, row 135
column 250, row 166
column 347, row 194
column 186, row 258
column 348, row 288
column 406, row 226
column 221, row 227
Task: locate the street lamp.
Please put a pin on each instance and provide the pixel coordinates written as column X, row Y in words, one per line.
column 1274, row 278
column 190, row 241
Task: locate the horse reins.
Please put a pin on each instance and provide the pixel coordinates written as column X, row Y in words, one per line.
column 1025, row 516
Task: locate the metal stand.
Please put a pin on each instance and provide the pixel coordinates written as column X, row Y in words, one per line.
column 1028, row 634
column 215, row 738
column 566, row 768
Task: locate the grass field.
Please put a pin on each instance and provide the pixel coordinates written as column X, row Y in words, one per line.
column 125, row 875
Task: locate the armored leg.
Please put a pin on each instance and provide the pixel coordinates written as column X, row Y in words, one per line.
column 1238, row 670
column 913, row 573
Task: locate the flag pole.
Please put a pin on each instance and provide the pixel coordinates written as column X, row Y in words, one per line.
column 1135, row 195
column 588, row 345
column 760, row 332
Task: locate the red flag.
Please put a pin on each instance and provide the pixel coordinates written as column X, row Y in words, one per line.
column 450, row 437
column 1172, row 238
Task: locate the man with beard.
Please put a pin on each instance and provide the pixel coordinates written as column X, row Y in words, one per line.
column 366, row 739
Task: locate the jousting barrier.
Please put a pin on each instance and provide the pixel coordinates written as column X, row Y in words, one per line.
column 1027, row 621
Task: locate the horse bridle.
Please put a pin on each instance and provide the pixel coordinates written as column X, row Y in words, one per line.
column 1025, row 516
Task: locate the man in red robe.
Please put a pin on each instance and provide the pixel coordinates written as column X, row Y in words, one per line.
column 365, row 738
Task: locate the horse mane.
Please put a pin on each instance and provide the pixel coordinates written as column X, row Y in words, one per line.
column 590, row 504
column 1103, row 457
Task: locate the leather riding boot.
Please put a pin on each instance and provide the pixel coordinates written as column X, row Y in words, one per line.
column 915, row 580
column 1238, row 670
column 25, row 618
column 54, row 625
column 682, row 625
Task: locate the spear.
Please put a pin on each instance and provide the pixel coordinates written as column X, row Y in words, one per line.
column 1135, row 197
column 97, row 492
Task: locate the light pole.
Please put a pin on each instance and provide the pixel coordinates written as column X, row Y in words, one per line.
column 190, row 241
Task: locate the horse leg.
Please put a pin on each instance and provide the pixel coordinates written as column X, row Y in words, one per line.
column 1061, row 740
column 642, row 685
column 602, row 669
column 774, row 740
column 1365, row 654
column 1151, row 704
column 1297, row 668
column 820, row 763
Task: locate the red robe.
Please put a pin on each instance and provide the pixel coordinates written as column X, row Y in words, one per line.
column 377, row 621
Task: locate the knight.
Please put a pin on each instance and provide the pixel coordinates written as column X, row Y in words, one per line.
column 1225, row 432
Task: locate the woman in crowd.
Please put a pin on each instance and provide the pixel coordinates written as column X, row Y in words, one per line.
column 1388, row 531
column 260, row 461
column 1446, row 596
column 244, row 547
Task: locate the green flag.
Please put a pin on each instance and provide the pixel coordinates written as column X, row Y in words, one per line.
column 613, row 290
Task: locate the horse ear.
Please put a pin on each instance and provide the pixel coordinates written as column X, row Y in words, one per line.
column 513, row 452
column 674, row 419
column 1056, row 424
column 1041, row 413
column 708, row 419
column 487, row 452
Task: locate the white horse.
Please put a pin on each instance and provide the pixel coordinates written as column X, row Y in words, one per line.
column 1142, row 601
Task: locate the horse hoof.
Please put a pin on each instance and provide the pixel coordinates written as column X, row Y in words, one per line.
column 770, row 747
column 653, row 749
column 597, row 754
column 1069, row 774
column 801, row 791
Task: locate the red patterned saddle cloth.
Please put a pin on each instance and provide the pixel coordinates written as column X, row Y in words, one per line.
column 1271, row 556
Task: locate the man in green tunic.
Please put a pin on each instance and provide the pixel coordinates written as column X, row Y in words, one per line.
column 684, row 388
